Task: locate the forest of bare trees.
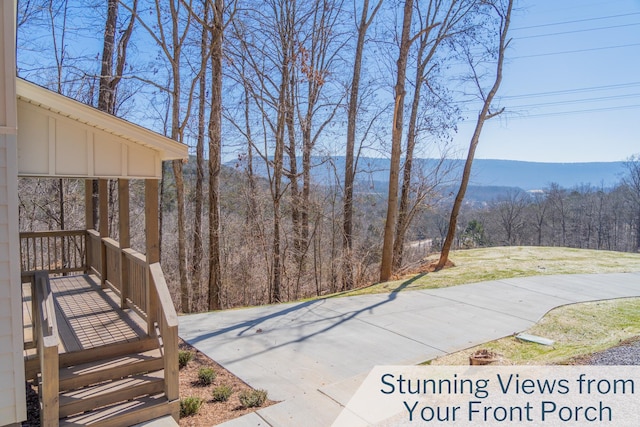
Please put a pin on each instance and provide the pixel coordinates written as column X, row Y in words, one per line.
column 585, row 217
column 268, row 93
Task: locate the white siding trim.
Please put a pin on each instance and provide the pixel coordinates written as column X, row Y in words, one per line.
column 14, row 266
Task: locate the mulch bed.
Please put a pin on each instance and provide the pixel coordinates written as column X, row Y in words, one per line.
column 211, row 413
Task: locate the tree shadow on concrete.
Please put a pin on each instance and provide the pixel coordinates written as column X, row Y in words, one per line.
column 335, row 321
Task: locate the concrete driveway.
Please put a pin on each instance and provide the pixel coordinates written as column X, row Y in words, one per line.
column 312, row 356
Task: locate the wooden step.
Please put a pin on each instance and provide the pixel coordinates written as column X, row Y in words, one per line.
column 110, row 350
column 125, row 413
column 110, row 392
column 32, row 363
column 74, row 377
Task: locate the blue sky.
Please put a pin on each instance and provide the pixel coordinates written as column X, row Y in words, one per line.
column 571, row 90
column 571, row 85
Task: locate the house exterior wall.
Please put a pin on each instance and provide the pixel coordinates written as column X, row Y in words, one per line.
column 51, row 144
column 12, row 398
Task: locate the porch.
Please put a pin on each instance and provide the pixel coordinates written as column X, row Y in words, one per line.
column 92, row 342
column 100, row 329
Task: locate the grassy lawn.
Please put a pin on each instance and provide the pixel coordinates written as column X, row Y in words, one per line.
column 477, row 265
column 578, row 330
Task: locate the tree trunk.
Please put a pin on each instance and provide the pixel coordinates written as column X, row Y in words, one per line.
column 182, row 240
column 396, row 142
column 215, row 142
column 350, row 163
column 106, row 94
column 110, row 78
column 403, row 212
column 482, row 117
column 177, row 135
column 198, row 249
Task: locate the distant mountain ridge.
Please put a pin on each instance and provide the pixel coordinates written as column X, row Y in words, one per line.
column 536, row 175
column 485, row 172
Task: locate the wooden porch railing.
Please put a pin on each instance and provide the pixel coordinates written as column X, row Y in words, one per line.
column 55, row 251
column 112, row 257
column 166, row 320
column 47, row 340
column 94, row 261
column 137, row 281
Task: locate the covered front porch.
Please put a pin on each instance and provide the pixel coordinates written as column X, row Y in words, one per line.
column 100, row 328
column 99, row 325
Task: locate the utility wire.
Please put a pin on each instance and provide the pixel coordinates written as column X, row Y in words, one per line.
column 577, row 101
column 564, row 92
column 566, row 52
column 572, row 91
column 564, row 113
column 584, row 30
column 575, row 21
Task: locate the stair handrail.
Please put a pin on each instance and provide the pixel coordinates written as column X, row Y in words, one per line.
column 46, row 332
column 161, row 307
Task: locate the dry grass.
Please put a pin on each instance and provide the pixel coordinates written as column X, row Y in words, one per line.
column 578, row 330
column 478, row 265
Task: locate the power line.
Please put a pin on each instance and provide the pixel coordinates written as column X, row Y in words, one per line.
column 564, row 113
column 572, row 91
column 576, row 51
column 578, row 101
column 584, row 30
column 575, row 21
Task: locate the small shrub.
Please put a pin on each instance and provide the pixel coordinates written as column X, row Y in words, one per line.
column 184, row 357
column 252, row 398
column 190, row 406
column 206, row 376
column 221, row 393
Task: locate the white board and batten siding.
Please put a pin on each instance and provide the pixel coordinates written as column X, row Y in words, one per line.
column 12, row 398
column 50, row 144
column 60, row 137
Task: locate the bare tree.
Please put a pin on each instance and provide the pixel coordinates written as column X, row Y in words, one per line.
column 267, row 42
column 198, row 247
column 215, row 148
column 632, row 181
column 540, row 205
column 396, row 141
column 504, row 16
column 510, row 209
column 169, row 31
column 439, row 22
column 114, row 49
column 366, row 18
column 558, row 201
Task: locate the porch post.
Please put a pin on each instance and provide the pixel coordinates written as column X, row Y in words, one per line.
column 103, row 199
column 88, row 221
column 88, row 204
column 151, row 220
column 153, row 246
column 125, row 238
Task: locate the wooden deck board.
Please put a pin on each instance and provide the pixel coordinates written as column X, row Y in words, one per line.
column 87, row 315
